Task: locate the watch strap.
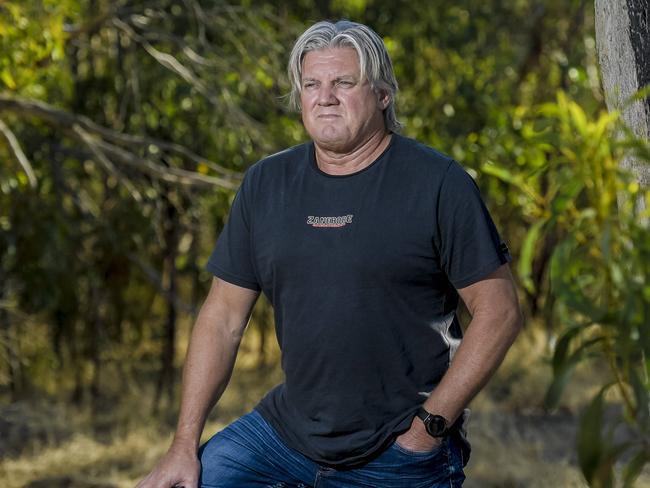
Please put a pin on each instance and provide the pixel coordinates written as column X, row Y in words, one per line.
column 433, row 423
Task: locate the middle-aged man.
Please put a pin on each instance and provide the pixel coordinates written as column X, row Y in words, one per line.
column 363, row 240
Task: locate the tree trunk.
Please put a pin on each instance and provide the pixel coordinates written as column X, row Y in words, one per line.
column 170, row 248
column 623, row 41
column 9, row 351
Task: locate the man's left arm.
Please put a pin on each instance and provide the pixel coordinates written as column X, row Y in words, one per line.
column 496, row 321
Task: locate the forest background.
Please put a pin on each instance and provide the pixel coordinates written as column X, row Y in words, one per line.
column 125, row 128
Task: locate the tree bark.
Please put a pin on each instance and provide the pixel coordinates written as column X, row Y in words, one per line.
column 8, row 347
column 171, row 232
column 623, row 41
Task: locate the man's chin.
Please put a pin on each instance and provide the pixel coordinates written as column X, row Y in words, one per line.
column 338, row 146
column 331, row 141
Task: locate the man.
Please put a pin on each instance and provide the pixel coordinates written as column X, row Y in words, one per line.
column 363, row 241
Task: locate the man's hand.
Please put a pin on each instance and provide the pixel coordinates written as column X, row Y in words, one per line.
column 179, row 467
column 417, row 439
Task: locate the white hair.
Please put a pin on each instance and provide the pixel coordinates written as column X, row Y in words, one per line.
column 374, row 61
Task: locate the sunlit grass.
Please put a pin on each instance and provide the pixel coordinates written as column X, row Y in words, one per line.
column 516, row 443
column 86, row 459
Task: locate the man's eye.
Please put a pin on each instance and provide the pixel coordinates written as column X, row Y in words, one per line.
column 345, row 83
column 309, row 85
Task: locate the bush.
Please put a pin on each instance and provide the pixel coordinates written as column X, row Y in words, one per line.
column 572, row 186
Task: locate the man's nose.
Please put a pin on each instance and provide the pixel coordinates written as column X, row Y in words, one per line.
column 326, row 95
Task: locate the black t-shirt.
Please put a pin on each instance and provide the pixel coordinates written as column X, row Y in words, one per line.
column 362, row 272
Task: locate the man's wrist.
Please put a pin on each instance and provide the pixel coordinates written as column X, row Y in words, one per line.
column 185, row 442
column 419, row 429
column 417, row 439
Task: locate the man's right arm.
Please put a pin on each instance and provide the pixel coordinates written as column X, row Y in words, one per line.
column 210, row 359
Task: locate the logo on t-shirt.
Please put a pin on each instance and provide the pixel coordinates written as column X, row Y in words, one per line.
column 340, row 221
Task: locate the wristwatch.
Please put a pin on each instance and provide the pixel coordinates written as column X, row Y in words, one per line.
column 436, row 425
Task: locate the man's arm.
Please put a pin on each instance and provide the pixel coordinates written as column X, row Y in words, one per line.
column 210, row 359
column 496, row 321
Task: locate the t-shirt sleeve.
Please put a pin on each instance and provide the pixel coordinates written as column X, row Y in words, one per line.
column 468, row 242
column 232, row 257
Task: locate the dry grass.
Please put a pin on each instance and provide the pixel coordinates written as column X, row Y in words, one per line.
column 516, row 443
column 83, row 458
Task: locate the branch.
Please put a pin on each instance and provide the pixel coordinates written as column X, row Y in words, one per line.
column 175, row 66
column 170, row 174
column 535, row 43
column 18, row 152
column 201, row 19
column 103, row 160
column 155, row 279
column 105, row 140
column 90, row 27
column 573, row 32
column 218, row 62
column 167, row 60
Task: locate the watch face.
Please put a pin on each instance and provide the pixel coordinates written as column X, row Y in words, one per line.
column 436, row 425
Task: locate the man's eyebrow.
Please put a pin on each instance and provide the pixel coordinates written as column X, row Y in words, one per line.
column 308, row 80
column 338, row 78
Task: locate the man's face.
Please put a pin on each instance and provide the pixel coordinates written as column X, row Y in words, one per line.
column 340, row 112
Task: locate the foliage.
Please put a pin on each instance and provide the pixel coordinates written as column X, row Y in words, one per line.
column 572, row 186
column 126, row 125
column 32, row 44
column 146, row 105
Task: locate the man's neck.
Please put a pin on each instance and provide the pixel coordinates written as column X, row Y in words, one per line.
column 335, row 163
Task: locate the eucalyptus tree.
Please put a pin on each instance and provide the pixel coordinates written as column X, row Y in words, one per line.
column 126, row 128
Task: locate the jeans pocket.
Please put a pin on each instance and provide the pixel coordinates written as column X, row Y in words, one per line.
column 421, row 455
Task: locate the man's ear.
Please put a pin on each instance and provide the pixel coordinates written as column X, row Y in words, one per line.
column 383, row 97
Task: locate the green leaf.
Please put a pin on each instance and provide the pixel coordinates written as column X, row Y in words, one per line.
column 605, row 120
column 557, row 386
column 528, row 255
column 590, row 440
column 578, row 118
column 563, row 367
column 604, row 475
column 642, row 415
column 8, row 79
column 515, row 179
column 562, row 346
column 567, row 193
column 502, row 173
column 634, row 467
column 572, row 275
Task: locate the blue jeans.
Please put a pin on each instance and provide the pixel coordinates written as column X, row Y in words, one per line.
column 249, row 453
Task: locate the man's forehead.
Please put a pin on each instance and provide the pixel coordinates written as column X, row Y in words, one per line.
column 338, row 58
